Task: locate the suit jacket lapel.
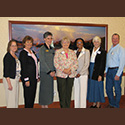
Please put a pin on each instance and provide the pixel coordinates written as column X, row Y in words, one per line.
column 98, row 53
column 82, row 52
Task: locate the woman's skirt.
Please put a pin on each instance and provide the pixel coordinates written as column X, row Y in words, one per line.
column 95, row 89
column 46, row 91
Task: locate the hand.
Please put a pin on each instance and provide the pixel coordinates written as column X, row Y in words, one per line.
column 10, row 87
column 38, row 79
column 116, row 77
column 99, row 78
column 27, row 84
column 104, row 74
column 9, row 83
column 52, row 74
column 78, row 75
column 67, row 71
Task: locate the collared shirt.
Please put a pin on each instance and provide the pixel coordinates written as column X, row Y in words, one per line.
column 116, row 58
column 94, row 53
column 47, row 46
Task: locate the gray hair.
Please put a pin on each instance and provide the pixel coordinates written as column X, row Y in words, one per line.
column 97, row 38
column 65, row 38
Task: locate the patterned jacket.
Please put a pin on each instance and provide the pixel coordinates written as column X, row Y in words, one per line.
column 61, row 63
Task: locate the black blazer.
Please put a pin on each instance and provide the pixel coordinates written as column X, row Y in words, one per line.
column 9, row 66
column 100, row 63
column 28, row 66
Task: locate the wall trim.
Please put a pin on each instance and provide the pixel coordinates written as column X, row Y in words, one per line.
column 1, row 80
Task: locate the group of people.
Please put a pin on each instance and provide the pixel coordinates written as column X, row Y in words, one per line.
column 82, row 68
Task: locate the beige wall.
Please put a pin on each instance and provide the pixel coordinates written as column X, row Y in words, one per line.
column 115, row 24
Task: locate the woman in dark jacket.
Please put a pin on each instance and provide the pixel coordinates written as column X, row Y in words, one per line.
column 96, row 74
column 47, row 71
column 11, row 73
column 29, row 71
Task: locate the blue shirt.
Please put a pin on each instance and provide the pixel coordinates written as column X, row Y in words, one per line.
column 116, row 58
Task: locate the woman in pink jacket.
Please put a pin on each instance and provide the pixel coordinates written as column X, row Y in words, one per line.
column 66, row 64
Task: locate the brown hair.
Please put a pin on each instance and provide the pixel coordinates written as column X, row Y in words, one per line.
column 25, row 39
column 9, row 44
column 116, row 35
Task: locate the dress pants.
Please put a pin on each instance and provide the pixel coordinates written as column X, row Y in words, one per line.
column 64, row 86
column 110, row 83
column 12, row 95
column 80, row 93
column 30, row 93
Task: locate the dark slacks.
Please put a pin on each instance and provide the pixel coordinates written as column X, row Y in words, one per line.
column 64, row 86
column 30, row 93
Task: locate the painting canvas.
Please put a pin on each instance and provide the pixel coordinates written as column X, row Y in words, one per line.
column 18, row 30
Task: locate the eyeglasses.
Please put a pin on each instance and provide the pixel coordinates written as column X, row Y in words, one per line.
column 79, row 42
column 65, row 42
column 96, row 41
column 13, row 45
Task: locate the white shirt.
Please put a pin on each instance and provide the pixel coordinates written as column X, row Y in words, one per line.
column 18, row 68
column 94, row 53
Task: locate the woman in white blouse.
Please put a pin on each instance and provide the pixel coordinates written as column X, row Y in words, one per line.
column 81, row 79
column 96, row 74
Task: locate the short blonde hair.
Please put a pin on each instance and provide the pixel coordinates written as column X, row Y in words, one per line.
column 97, row 38
column 65, row 38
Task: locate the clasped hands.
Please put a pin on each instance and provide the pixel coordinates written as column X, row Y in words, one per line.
column 67, row 71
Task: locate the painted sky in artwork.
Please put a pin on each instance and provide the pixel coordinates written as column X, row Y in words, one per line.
column 19, row 31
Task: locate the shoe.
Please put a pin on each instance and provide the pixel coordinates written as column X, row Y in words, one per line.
column 98, row 107
column 109, row 106
column 93, row 106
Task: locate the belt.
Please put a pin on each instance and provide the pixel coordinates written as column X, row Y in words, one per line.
column 113, row 67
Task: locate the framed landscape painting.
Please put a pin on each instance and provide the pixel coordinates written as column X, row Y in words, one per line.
column 19, row 29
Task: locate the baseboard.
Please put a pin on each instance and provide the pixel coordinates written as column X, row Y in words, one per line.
column 57, row 104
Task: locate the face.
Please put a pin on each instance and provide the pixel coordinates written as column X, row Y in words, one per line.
column 48, row 40
column 115, row 40
column 79, row 44
column 96, row 44
column 65, row 44
column 28, row 44
column 13, row 47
